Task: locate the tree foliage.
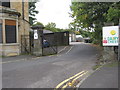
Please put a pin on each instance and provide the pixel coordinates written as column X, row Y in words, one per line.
column 38, row 23
column 52, row 27
column 113, row 14
column 93, row 15
column 32, row 12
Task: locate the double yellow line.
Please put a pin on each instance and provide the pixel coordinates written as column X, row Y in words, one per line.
column 73, row 78
column 19, row 60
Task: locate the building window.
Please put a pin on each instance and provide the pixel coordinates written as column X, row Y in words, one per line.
column 6, row 3
column 10, row 31
column 1, row 31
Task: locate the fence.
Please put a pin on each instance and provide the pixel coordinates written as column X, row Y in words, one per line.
column 62, row 38
column 50, row 42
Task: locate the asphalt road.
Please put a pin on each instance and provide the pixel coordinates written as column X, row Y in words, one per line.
column 49, row 71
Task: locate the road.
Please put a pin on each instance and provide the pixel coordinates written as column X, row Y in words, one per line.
column 49, row 71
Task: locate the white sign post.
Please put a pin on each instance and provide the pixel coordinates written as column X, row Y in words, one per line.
column 111, row 36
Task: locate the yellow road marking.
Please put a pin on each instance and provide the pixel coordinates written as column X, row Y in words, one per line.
column 36, row 58
column 13, row 61
column 74, row 80
column 51, row 55
column 80, row 75
column 19, row 60
column 69, row 79
column 64, row 87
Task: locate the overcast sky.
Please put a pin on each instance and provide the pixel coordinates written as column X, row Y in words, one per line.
column 54, row 11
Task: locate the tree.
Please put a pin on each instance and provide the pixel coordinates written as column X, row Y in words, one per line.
column 93, row 15
column 32, row 12
column 38, row 23
column 113, row 14
column 51, row 26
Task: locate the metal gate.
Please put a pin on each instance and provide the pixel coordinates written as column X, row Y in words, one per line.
column 27, row 43
column 31, row 42
column 49, row 44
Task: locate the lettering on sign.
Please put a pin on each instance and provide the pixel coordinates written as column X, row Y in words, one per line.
column 110, row 36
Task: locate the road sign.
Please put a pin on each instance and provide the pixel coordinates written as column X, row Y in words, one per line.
column 111, row 36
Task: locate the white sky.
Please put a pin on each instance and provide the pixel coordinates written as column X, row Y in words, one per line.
column 54, row 11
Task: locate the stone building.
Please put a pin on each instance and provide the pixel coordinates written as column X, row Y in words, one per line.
column 14, row 28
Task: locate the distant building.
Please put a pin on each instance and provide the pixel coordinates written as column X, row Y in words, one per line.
column 72, row 37
column 79, row 38
column 14, row 28
column 47, row 31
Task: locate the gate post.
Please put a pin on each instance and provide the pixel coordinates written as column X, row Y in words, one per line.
column 37, row 41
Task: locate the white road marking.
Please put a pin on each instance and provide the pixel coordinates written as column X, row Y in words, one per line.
column 62, row 49
column 69, row 50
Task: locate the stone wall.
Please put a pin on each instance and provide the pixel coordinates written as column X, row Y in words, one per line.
column 10, row 49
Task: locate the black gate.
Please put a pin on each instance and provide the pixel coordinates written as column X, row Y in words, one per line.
column 49, row 41
column 49, row 44
column 31, row 42
column 27, row 42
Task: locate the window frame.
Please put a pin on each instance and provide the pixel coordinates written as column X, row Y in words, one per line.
column 16, row 30
column 6, row 4
column 4, row 33
column 10, row 33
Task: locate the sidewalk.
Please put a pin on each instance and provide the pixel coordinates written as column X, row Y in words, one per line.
column 105, row 77
column 26, row 57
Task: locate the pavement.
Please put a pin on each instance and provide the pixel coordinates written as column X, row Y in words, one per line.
column 104, row 77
